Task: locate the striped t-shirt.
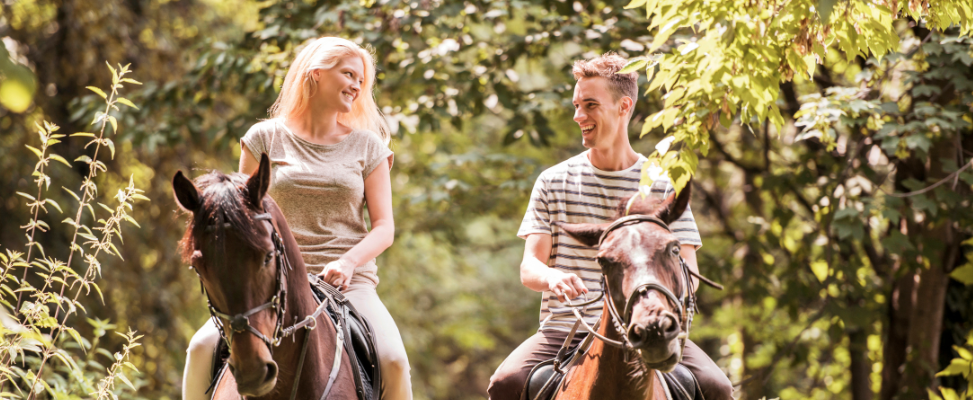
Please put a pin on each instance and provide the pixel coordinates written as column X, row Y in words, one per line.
column 575, row 191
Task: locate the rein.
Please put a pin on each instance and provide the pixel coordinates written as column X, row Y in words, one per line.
column 240, row 323
column 686, row 304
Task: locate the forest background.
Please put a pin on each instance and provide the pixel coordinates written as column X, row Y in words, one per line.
column 829, row 142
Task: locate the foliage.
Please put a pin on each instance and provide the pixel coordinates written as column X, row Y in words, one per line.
column 42, row 349
column 729, row 58
column 961, row 366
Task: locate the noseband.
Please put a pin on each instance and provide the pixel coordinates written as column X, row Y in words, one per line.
column 685, row 304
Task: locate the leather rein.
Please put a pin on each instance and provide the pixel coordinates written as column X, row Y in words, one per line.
column 240, row 323
column 685, row 304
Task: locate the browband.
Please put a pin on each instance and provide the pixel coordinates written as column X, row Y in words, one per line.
column 629, row 220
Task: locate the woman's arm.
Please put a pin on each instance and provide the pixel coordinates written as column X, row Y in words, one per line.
column 248, row 162
column 378, row 196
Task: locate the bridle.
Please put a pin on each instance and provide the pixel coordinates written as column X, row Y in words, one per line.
column 240, row 323
column 685, row 304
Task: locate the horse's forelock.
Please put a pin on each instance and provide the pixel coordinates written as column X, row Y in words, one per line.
column 223, row 197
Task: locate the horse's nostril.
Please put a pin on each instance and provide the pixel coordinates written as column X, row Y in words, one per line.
column 271, row 371
column 665, row 324
column 636, row 334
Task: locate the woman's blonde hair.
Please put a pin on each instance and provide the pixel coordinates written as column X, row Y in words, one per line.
column 324, row 53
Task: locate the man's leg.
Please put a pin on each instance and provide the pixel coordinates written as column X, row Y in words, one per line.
column 508, row 382
column 713, row 382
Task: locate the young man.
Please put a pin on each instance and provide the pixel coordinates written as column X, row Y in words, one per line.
column 586, row 189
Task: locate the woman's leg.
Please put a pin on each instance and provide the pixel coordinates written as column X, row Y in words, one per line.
column 199, row 362
column 396, row 380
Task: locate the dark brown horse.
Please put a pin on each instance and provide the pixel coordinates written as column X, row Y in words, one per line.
column 645, row 312
column 251, row 269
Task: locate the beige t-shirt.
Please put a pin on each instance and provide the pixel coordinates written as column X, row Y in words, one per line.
column 320, row 188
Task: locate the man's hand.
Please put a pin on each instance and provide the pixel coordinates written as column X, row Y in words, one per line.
column 338, row 273
column 565, row 286
column 538, row 276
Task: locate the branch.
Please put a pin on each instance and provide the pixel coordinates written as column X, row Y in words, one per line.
column 933, row 186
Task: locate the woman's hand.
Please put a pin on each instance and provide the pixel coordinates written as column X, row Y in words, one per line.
column 338, row 273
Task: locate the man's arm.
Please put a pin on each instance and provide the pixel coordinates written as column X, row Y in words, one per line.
column 688, row 253
column 537, row 276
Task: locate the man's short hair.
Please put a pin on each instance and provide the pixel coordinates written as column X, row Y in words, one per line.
column 606, row 66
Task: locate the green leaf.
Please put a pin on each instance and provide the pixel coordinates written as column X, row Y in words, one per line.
column 97, row 91
column 35, row 150
column 111, row 146
column 964, row 353
column 124, row 379
column 126, row 102
column 84, row 159
column 54, row 203
column 83, row 134
column 71, row 193
column 27, row 196
column 958, row 367
column 114, row 124
column 132, row 81
column 820, row 270
column 663, row 35
column 963, row 274
column 60, row 159
column 633, row 65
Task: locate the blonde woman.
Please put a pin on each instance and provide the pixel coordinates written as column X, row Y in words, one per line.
column 328, row 146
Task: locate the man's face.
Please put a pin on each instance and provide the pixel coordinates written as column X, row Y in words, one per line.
column 597, row 113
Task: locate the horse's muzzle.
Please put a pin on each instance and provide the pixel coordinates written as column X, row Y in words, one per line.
column 662, row 330
column 257, row 379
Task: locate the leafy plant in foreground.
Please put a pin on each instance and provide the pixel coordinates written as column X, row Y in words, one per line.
column 42, row 350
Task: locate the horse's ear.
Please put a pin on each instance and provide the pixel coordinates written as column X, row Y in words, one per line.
column 186, row 193
column 588, row 234
column 259, row 182
column 673, row 207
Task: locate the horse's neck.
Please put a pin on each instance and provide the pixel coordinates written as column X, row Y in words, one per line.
column 607, row 374
column 300, row 303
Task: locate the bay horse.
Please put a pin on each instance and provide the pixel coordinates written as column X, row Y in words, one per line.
column 244, row 253
column 644, row 273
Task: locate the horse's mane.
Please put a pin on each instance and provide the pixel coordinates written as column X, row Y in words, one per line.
column 223, row 197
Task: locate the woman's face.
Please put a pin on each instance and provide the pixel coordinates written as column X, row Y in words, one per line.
column 339, row 86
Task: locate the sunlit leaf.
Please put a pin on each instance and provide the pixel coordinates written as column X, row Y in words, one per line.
column 97, row 91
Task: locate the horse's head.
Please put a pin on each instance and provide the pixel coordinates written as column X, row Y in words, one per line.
column 639, row 257
column 229, row 244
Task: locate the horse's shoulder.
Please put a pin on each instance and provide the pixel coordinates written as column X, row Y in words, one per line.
column 225, row 387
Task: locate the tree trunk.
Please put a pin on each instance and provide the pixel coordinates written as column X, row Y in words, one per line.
column 939, row 249
column 861, row 368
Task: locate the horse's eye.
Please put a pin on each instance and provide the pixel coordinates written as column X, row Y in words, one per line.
column 270, row 256
column 675, row 250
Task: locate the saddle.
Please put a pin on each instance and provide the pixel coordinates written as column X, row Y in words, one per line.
column 545, row 378
column 359, row 344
